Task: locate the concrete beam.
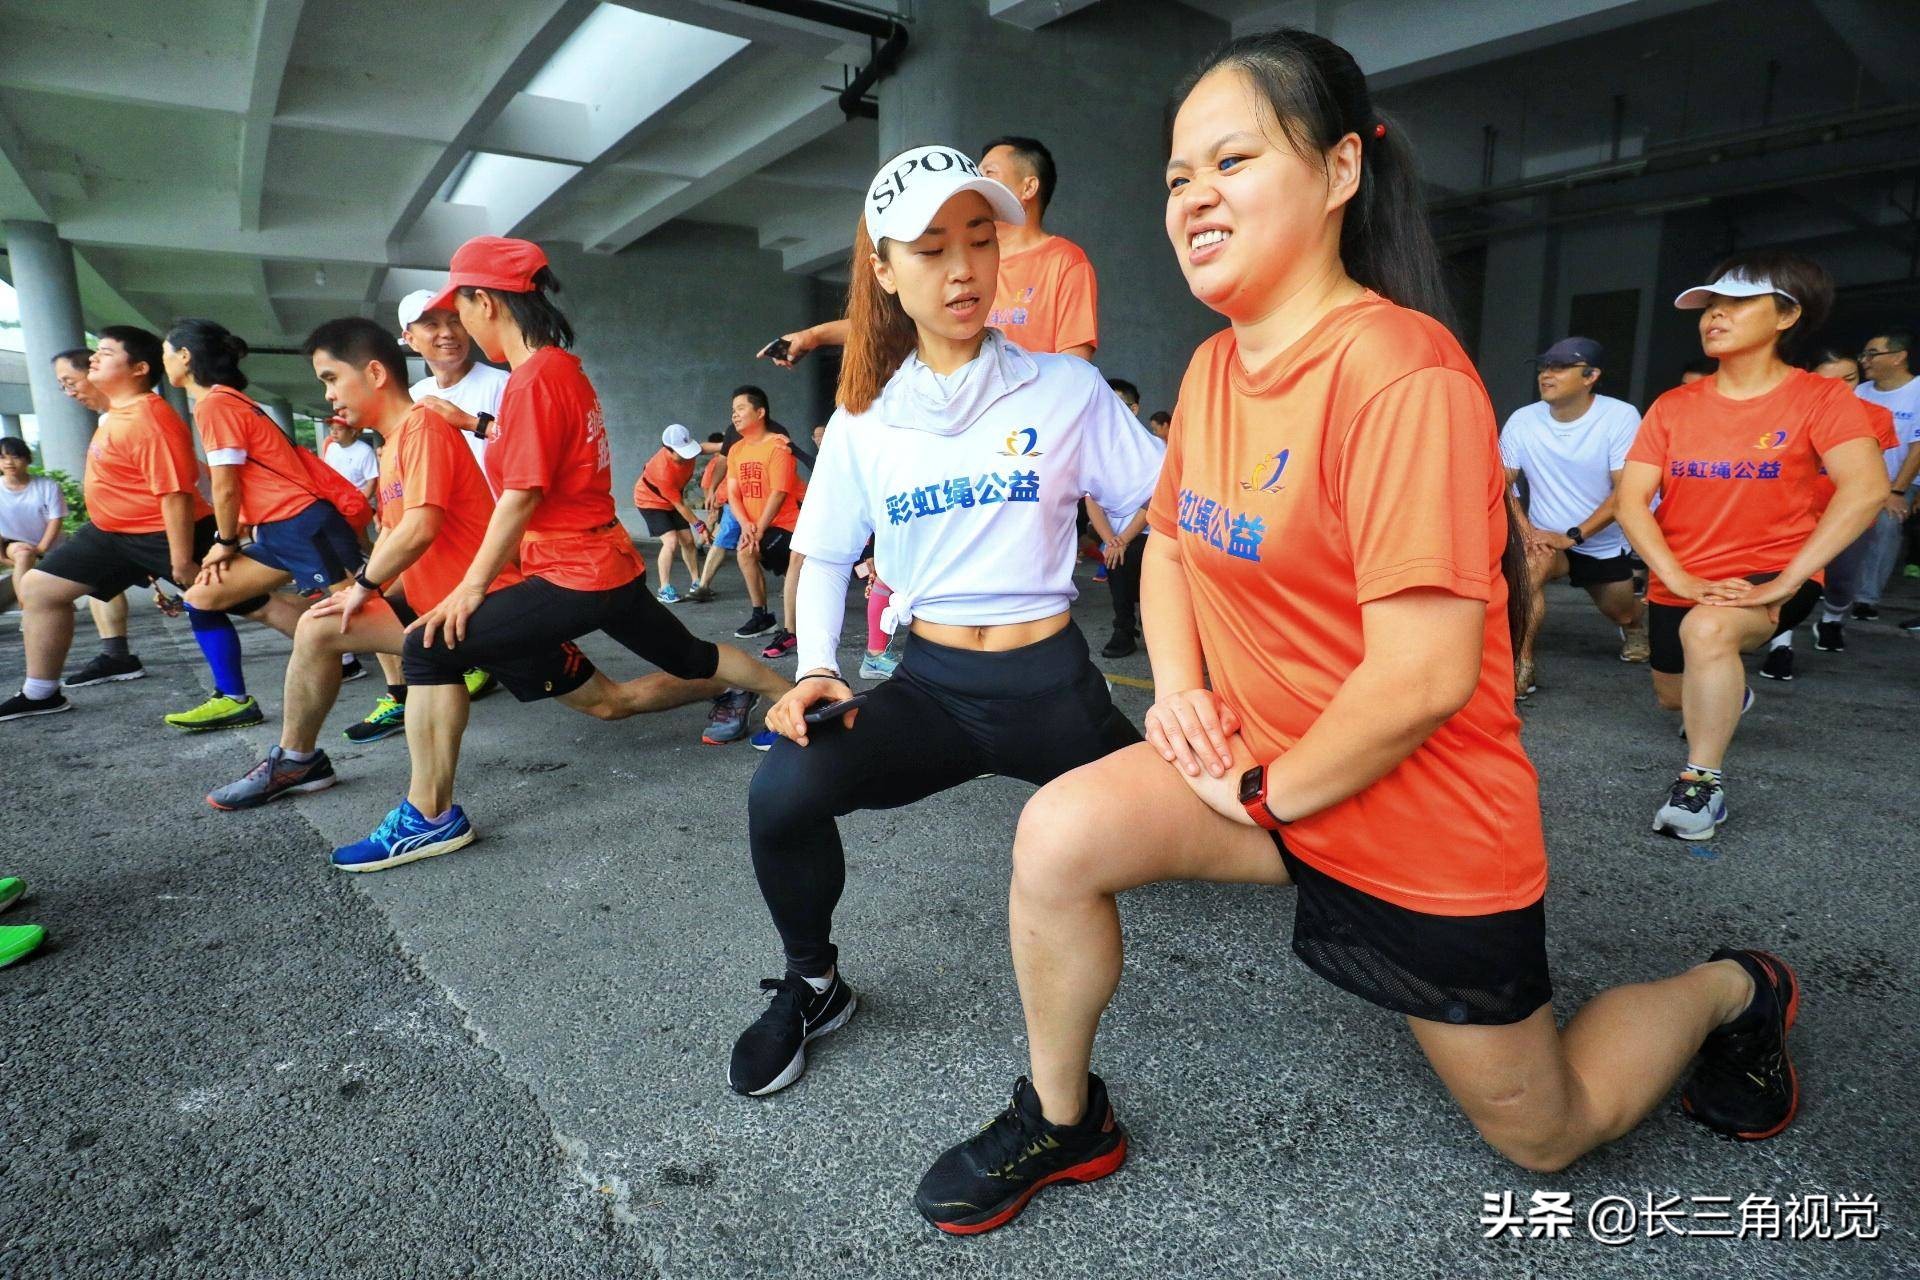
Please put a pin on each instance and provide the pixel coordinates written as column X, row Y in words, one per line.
column 1883, row 34
column 274, row 25
column 1034, row 14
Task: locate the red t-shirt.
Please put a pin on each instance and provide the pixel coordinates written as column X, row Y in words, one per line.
column 550, row 436
column 273, row 481
column 139, row 454
column 426, row 463
column 664, row 477
column 1046, row 298
column 1738, row 493
column 1362, row 463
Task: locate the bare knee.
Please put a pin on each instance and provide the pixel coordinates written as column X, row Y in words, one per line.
column 1540, row 1139
column 1541, row 1154
column 1711, row 631
column 39, row 590
column 1056, row 853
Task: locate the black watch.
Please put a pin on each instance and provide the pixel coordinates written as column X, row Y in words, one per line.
column 222, row 540
column 1577, row 536
column 481, row 421
column 361, row 579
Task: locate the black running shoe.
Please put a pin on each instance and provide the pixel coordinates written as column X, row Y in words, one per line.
column 1865, row 613
column 1829, row 637
column 105, row 668
column 351, row 671
column 1744, row 1086
column 1911, row 624
column 1121, row 645
column 1779, row 664
column 772, row 1053
column 987, row 1180
column 20, row 706
column 757, row 623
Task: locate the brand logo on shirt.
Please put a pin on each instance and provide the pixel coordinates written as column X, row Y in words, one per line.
column 1023, row 444
column 961, row 493
column 1214, row 524
column 1771, row 440
column 1267, row 473
column 392, row 492
column 1698, row 469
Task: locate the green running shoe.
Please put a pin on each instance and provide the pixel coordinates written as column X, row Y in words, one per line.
column 479, row 684
column 12, row 889
column 218, row 712
column 18, row 941
column 388, row 717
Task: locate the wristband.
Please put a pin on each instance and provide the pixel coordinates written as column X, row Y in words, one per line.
column 362, row 580
column 1576, row 536
column 1253, row 798
column 222, row 540
column 481, row 421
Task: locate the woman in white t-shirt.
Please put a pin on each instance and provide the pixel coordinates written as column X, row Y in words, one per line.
column 964, row 458
column 31, row 511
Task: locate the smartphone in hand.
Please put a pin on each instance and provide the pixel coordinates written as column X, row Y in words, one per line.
column 776, row 350
column 832, row 711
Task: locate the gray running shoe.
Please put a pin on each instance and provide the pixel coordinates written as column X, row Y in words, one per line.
column 727, row 722
column 274, row 777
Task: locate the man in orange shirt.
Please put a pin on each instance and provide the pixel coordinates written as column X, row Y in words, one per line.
column 660, row 494
column 764, row 492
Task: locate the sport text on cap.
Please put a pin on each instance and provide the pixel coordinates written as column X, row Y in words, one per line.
column 1734, row 284
column 490, row 262
column 910, row 188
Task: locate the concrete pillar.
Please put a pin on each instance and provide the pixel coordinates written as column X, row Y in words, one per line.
column 50, row 321
column 1517, row 314
column 280, row 409
column 10, row 426
column 177, row 397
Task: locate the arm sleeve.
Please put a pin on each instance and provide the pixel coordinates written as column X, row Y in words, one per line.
column 1418, row 485
column 1119, row 458
column 820, row 612
column 834, row 527
column 1163, row 513
column 1078, row 307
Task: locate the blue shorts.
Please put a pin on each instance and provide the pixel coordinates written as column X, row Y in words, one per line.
column 728, row 536
column 317, row 547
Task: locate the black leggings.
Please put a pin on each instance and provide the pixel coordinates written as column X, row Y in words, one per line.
column 947, row 715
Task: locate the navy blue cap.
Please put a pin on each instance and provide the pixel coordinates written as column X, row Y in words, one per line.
column 1574, row 351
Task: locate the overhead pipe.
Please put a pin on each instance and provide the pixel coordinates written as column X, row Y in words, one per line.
column 886, row 39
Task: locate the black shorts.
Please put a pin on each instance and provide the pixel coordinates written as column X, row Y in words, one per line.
column 776, row 551
column 1485, row 970
column 1598, row 571
column 523, row 635
column 1663, row 624
column 659, row 522
column 108, row 563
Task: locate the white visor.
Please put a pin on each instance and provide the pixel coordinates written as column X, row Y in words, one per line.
column 680, row 440
column 413, row 306
column 1734, row 284
column 911, row 187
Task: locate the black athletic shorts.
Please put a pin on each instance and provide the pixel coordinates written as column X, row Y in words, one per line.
column 659, row 522
column 109, row 563
column 1663, row 623
column 1486, row 970
column 776, row 551
column 523, row 635
column 1598, row 571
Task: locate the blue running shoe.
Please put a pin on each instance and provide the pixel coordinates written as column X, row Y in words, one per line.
column 879, row 666
column 405, row 836
column 764, row 740
column 668, row 595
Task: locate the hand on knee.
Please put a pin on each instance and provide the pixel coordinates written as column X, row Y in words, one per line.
column 1711, row 631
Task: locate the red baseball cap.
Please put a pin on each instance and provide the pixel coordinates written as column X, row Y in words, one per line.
column 490, row 262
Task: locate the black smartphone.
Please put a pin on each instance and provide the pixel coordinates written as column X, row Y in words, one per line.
column 775, row 350
column 827, row 711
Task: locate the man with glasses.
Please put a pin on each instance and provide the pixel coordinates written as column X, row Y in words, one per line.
column 1570, row 446
column 1886, row 372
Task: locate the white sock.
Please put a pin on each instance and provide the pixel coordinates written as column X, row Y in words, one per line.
column 1782, row 641
column 348, row 659
column 39, row 690
column 298, row 757
column 1702, row 771
column 820, row 985
column 1833, row 615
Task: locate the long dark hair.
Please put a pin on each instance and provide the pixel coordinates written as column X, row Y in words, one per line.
column 214, row 351
column 1318, row 96
column 541, row 323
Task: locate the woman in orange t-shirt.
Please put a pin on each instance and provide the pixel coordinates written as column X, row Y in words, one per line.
column 1332, row 550
column 1736, row 460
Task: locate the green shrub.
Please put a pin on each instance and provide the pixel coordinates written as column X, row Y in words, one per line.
column 76, row 499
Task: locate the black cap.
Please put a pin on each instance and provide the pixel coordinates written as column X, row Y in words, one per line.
column 1574, row 351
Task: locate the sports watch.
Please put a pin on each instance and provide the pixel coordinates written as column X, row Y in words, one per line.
column 1577, row 536
column 1253, row 798
column 481, row 421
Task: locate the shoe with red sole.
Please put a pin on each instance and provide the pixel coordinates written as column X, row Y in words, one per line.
column 1744, row 1086
column 987, row 1180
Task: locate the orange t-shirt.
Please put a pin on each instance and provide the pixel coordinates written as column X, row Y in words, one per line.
column 1046, row 299
column 756, row 468
column 1362, row 463
column 140, row 453
column 1883, row 430
column 550, row 436
column 708, row 485
column 1737, row 477
column 665, row 476
column 273, row 480
column 426, row 463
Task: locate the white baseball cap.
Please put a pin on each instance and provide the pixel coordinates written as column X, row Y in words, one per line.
column 911, row 187
column 413, row 306
column 1734, row 284
column 680, row 440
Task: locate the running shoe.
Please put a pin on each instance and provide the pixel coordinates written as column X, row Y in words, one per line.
column 218, row 712
column 105, row 668
column 668, row 595
column 1911, row 571
column 758, row 622
column 274, row 777
column 700, row 595
column 1744, row 1086
column 727, row 721
column 1830, row 637
column 12, row 889
column 987, row 1180
column 1100, row 572
column 1746, row 705
column 20, row 706
column 783, row 643
column 1523, row 685
column 388, row 717
column 772, row 1053
column 352, row 670
column 1911, row 624
column 764, row 740
column 879, row 666
column 1695, row 808
column 405, row 836
column 1865, row 613
column 1121, row 645
column 18, row 941
column 1778, row 664
column 479, row 683
column 1634, row 645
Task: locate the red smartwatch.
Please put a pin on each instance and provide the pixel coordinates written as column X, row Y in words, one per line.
column 1253, row 798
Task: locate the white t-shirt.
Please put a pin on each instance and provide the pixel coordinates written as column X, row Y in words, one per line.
column 971, row 504
column 357, row 461
column 1569, row 465
column 24, row 513
column 477, row 393
column 1904, row 404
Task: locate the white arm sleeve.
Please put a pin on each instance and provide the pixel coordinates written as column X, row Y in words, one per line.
column 226, row 457
column 1119, row 458
column 820, row 611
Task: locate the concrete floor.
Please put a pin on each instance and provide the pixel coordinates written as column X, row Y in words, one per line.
column 230, row 1060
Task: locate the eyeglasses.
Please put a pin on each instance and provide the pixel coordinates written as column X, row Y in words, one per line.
column 1561, row 368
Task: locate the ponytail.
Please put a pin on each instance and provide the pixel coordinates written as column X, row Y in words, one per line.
column 1513, row 567
column 213, row 353
column 880, row 335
